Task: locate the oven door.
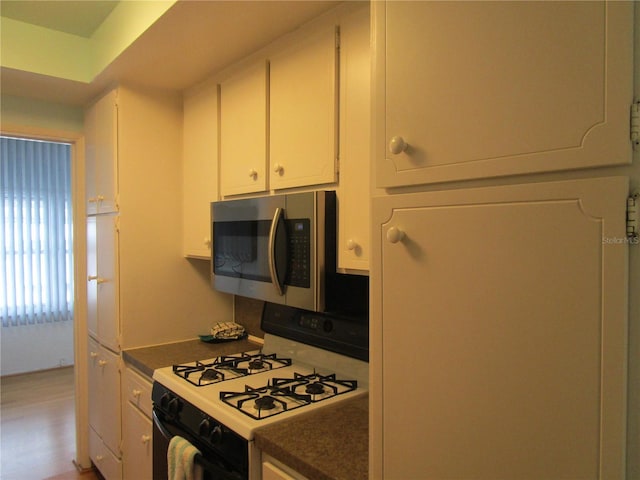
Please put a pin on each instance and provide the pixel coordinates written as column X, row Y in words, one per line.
column 213, row 466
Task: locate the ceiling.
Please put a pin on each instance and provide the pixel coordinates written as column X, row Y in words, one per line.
column 190, row 42
column 80, row 18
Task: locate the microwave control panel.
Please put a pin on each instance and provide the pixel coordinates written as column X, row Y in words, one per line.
column 299, row 233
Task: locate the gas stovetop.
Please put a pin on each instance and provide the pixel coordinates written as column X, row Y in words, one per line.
column 252, row 389
column 308, row 360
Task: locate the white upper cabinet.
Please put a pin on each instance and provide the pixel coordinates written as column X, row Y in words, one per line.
column 303, row 111
column 243, row 131
column 355, row 128
column 199, row 167
column 101, row 155
column 484, row 89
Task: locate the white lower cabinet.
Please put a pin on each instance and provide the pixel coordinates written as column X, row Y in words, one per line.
column 104, row 414
column 513, row 300
column 137, row 429
column 274, row 470
column 105, row 460
column 137, row 444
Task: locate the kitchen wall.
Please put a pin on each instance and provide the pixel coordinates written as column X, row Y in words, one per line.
column 28, row 112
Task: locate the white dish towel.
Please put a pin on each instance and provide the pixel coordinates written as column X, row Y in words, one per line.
column 181, row 460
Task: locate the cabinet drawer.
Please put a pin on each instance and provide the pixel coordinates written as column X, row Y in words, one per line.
column 109, row 465
column 138, row 391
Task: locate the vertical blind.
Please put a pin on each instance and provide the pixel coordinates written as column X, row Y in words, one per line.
column 36, row 264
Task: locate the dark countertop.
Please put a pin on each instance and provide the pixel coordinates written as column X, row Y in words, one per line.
column 147, row 359
column 330, row 443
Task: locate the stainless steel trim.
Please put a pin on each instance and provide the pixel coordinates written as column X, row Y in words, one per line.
column 272, row 254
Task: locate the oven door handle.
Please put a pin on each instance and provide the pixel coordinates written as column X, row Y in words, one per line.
column 163, row 430
column 278, row 254
column 208, row 466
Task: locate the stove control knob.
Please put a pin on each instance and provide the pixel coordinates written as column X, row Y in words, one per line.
column 164, row 400
column 204, row 429
column 216, row 435
column 174, row 406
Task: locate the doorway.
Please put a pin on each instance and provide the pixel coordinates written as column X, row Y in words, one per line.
column 71, row 361
column 36, row 259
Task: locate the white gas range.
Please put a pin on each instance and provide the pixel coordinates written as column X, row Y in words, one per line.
column 218, row 403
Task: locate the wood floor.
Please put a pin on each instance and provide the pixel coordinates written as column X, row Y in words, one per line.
column 37, row 427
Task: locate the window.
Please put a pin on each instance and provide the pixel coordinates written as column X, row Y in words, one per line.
column 36, row 263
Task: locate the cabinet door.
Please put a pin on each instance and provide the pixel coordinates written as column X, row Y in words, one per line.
column 106, row 281
column 484, row 89
column 90, row 160
column 303, row 112
column 92, row 277
column 101, row 160
column 272, row 469
column 110, row 407
column 104, row 401
column 94, row 394
column 355, row 126
column 137, row 446
column 109, row 465
column 509, row 306
column 200, row 168
column 243, row 132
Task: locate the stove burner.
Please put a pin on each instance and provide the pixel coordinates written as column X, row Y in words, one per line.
column 315, row 388
column 256, row 364
column 265, row 403
column 210, row 375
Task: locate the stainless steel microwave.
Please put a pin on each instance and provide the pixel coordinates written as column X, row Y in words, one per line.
column 277, row 248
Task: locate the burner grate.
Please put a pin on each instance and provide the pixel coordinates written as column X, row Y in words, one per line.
column 285, row 394
column 226, row 367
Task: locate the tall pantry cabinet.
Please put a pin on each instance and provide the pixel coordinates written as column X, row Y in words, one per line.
column 103, row 319
column 500, row 305
column 141, row 289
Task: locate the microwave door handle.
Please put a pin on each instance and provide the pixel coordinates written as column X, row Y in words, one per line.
column 278, row 217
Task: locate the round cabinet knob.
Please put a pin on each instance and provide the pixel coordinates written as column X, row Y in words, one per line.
column 207, row 242
column 93, row 354
column 145, row 439
column 253, row 173
column 136, row 392
column 102, row 363
column 394, row 235
column 278, row 168
column 351, row 244
column 397, row 145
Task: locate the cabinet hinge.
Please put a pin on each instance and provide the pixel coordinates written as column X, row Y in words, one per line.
column 633, row 218
column 635, row 124
column 117, row 223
